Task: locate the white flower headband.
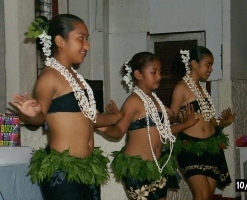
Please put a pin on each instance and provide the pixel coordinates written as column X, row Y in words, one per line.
column 128, row 78
column 185, row 55
column 39, row 29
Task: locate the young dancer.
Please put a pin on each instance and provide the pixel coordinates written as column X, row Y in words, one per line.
column 146, row 167
column 70, row 167
column 201, row 156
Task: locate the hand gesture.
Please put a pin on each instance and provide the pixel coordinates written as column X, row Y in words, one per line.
column 170, row 114
column 26, row 104
column 111, row 108
column 226, row 117
column 189, row 116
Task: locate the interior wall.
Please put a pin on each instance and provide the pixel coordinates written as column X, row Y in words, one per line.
column 2, row 60
column 238, row 39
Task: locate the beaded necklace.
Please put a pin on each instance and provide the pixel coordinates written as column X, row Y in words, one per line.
column 163, row 128
column 87, row 105
column 207, row 107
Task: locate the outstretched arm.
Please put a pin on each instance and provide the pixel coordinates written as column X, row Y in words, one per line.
column 110, row 117
column 118, row 130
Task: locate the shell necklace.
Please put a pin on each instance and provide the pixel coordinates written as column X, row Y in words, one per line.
column 163, row 128
column 87, row 105
column 207, row 107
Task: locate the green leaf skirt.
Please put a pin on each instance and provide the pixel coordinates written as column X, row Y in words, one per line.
column 89, row 170
column 211, row 145
column 136, row 168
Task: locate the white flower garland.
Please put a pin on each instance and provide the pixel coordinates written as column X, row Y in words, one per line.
column 207, row 108
column 46, row 41
column 87, row 106
column 164, row 128
column 185, row 59
column 128, row 78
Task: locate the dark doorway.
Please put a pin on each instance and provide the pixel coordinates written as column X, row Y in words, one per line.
column 167, row 51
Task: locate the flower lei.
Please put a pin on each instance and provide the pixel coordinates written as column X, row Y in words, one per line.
column 207, row 108
column 185, row 55
column 164, row 128
column 128, row 78
column 87, row 105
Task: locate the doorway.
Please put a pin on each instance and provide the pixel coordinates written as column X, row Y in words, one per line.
column 166, row 47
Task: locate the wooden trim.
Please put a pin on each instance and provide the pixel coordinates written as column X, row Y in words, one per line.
column 208, row 86
column 54, row 8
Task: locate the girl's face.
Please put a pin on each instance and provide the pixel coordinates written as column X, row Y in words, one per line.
column 151, row 75
column 77, row 43
column 204, row 67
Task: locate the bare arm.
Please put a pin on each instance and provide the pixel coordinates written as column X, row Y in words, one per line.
column 189, row 120
column 118, row 131
column 111, row 117
column 225, row 119
column 33, row 110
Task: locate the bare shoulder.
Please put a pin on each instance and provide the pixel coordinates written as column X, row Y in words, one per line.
column 132, row 103
column 181, row 87
column 49, row 77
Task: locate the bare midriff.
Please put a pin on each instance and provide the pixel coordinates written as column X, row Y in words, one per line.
column 139, row 145
column 202, row 129
column 71, row 131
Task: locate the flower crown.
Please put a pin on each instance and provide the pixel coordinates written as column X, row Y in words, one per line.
column 39, row 29
column 185, row 55
column 128, row 78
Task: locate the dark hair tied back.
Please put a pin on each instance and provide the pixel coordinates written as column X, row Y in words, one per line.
column 140, row 60
column 61, row 25
column 196, row 53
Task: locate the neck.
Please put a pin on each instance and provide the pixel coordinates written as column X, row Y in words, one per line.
column 145, row 90
column 63, row 61
column 194, row 77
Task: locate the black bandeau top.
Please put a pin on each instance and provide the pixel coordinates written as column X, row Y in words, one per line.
column 65, row 103
column 142, row 123
column 195, row 105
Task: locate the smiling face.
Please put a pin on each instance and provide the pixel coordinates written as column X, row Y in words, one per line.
column 150, row 76
column 76, row 45
column 204, row 68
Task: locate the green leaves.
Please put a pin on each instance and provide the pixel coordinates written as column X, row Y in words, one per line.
column 211, row 145
column 138, row 169
column 89, row 170
column 37, row 27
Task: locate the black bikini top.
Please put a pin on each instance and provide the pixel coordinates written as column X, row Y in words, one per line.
column 142, row 123
column 65, row 103
column 195, row 105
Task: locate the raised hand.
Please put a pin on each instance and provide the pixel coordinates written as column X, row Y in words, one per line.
column 170, row 114
column 26, row 104
column 111, row 108
column 227, row 117
column 189, row 116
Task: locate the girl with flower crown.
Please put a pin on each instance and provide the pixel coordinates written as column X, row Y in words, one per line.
column 200, row 147
column 70, row 167
column 146, row 163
